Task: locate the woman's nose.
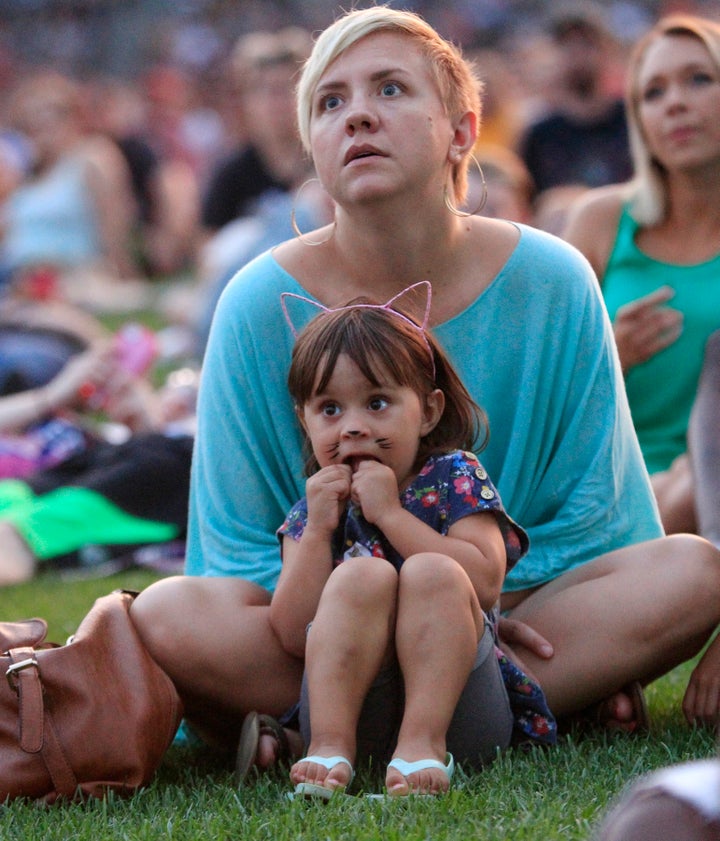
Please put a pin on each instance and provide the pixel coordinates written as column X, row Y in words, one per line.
column 360, row 116
column 674, row 97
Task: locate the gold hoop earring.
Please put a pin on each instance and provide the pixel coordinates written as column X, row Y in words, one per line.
column 463, row 214
column 293, row 220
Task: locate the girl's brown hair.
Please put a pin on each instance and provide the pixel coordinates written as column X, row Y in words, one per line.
column 385, row 346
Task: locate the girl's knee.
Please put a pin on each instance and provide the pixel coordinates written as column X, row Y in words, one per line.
column 363, row 578
column 434, row 572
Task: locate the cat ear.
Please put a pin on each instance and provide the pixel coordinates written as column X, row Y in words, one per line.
column 426, row 283
column 305, row 300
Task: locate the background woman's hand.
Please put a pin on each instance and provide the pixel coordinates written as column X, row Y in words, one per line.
column 701, row 704
column 91, row 368
column 644, row 327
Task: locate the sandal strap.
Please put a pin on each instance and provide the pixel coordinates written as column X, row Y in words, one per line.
column 329, row 762
column 270, row 726
column 407, row 768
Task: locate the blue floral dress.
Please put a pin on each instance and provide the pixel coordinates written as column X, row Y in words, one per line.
column 449, row 487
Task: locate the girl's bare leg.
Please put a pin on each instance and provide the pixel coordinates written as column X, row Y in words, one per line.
column 213, row 637
column 632, row 614
column 346, row 645
column 439, row 623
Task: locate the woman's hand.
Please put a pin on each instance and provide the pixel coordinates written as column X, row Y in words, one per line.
column 701, row 704
column 514, row 633
column 91, row 368
column 644, row 327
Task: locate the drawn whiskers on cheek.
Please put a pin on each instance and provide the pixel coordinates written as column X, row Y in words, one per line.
column 333, row 450
column 383, row 443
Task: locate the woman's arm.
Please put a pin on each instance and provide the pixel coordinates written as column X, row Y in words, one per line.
column 642, row 327
column 110, row 187
column 17, row 411
column 592, row 224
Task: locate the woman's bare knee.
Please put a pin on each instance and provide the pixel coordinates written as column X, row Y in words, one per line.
column 168, row 613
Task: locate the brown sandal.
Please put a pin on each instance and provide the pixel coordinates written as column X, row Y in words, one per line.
column 254, row 726
column 641, row 716
column 591, row 717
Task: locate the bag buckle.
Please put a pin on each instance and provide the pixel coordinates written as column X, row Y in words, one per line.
column 19, row 667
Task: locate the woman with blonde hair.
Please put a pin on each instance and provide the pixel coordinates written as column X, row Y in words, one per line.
column 389, row 112
column 654, row 244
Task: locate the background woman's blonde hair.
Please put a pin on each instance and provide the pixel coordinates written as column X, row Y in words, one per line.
column 458, row 85
column 647, row 192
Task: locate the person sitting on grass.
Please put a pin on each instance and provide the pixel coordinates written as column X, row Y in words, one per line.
column 396, row 555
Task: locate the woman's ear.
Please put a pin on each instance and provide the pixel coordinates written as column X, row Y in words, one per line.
column 464, row 137
column 433, row 411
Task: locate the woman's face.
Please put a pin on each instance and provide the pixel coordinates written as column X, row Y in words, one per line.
column 378, row 126
column 679, row 102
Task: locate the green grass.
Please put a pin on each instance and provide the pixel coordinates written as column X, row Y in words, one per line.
column 559, row 793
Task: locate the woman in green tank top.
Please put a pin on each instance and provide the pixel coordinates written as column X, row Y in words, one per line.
column 654, row 244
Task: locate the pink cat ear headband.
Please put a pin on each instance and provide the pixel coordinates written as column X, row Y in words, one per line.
column 420, row 328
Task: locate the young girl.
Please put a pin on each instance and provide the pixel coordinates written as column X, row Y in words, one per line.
column 400, row 659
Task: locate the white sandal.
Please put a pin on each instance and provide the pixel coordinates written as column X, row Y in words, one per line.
column 315, row 790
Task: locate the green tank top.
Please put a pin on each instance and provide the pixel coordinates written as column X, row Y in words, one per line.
column 661, row 391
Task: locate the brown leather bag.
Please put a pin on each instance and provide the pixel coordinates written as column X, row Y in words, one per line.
column 78, row 720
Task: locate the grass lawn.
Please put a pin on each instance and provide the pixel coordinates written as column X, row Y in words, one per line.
column 536, row 796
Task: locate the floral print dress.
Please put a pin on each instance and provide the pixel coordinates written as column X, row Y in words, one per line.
column 449, row 487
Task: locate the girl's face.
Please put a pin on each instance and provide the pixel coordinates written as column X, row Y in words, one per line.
column 352, row 420
column 378, row 126
column 679, row 102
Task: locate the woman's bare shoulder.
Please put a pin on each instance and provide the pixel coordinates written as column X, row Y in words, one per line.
column 598, row 207
column 592, row 222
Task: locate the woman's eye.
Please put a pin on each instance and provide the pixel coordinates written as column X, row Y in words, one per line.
column 377, row 404
column 651, row 93
column 390, row 89
column 329, row 102
column 700, row 77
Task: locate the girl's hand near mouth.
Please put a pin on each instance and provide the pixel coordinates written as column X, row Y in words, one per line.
column 374, row 488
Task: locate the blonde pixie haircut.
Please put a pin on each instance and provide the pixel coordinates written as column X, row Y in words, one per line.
column 457, row 83
column 647, row 191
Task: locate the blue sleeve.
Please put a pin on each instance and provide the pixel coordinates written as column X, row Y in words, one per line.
column 536, row 350
column 247, row 466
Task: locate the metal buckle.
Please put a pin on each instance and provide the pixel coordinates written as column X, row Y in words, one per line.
column 18, row 667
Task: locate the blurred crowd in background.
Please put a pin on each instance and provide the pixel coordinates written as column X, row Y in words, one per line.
column 148, row 150
column 179, row 88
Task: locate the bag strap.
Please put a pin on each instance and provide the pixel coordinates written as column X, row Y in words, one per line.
column 37, row 733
